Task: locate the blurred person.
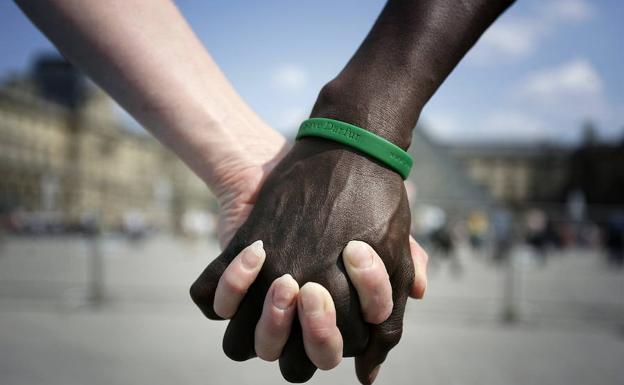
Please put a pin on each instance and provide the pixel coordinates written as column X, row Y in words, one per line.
column 197, row 223
column 553, row 236
column 427, row 220
column 432, row 228
column 89, row 223
column 614, row 239
column 306, row 202
column 502, row 228
column 535, row 223
column 576, row 207
column 16, row 221
column 443, row 249
column 134, row 225
column 477, row 226
column 4, row 226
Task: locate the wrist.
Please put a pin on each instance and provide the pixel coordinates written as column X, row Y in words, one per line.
column 354, row 102
column 246, row 161
column 223, row 150
column 364, row 141
column 341, row 162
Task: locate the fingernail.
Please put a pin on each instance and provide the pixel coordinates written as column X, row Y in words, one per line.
column 256, row 254
column 283, row 295
column 313, row 304
column 373, row 375
column 358, row 255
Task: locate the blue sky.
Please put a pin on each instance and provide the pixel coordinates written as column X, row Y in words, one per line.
column 544, row 68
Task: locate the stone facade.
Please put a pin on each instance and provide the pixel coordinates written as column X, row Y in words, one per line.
column 516, row 174
column 77, row 160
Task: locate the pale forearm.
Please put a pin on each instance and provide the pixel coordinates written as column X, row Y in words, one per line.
column 148, row 59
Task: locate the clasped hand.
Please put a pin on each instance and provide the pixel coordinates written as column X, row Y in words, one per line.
column 321, row 265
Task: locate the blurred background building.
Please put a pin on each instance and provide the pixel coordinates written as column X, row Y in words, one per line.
column 68, row 163
column 564, row 185
column 523, row 174
column 65, row 159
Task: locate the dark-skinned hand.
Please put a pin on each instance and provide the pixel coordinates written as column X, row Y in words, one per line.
column 318, row 198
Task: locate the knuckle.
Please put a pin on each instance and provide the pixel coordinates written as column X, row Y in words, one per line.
column 233, row 284
column 377, row 297
column 320, row 337
column 390, row 338
column 272, row 327
column 378, row 314
column 376, row 281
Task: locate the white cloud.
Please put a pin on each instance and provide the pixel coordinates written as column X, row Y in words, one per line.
column 575, row 77
column 549, row 104
column 568, row 10
column 499, row 126
column 571, row 88
column 515, row 37
column 290, row 77
column 562, row 97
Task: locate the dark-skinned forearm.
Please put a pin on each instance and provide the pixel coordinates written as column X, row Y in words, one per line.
column 411, row 49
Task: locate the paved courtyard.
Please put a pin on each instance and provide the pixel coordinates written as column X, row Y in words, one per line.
column 570, row 328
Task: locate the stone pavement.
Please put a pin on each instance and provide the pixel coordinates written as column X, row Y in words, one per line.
column 570, row 330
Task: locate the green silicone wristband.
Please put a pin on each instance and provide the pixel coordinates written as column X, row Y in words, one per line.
column 365, row 141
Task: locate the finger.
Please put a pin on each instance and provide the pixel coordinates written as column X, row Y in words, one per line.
column 203, row 289
column 370, row 278
column 238, row 340
column 273, row 328
column 383, row 338
column 237, row 278
column 321, row 337
column 420, row 259
column 294, row 363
